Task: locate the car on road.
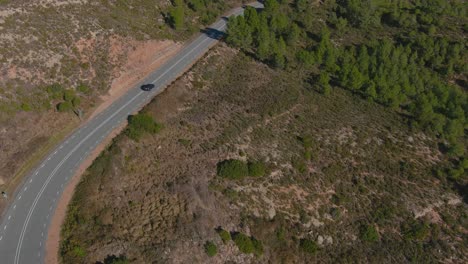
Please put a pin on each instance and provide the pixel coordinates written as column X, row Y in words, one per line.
column 147, row 87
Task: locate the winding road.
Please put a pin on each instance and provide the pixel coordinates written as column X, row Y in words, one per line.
column 24, row 225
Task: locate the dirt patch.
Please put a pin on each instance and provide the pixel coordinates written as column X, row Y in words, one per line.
column 142, row 58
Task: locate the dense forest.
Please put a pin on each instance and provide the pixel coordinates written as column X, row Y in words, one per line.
column 407, row 55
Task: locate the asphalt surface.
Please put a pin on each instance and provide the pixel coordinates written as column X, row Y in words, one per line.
column 24, row 227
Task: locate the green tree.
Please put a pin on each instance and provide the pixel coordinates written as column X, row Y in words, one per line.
column 294, row 35
column 271, row 7
column 252, row 18
column 324, row 82
column 239, row 33
column 177, row 14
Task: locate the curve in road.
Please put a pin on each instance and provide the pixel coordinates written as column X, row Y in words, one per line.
column 25, row 224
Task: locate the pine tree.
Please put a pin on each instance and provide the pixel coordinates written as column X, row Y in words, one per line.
column 177, row 15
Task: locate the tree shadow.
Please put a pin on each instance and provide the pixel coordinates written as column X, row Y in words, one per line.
column 214, row 33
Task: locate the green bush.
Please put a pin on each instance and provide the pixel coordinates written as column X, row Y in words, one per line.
column 83, row 89
column 210, row 248
column 224, row 235
column 415, row 230
column 68, row 95
column 79, row 251
column 369, row 233
column 55, row 91
column 76, row 102
column 309, row 246
column 232, row 169
column 140, row 124
column 258, row 247
column 64, row 106
column 26, row 107
column 244, row 243
column 256, row 168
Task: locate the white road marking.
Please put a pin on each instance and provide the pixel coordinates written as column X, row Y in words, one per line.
column 31, row 209
column 36, row 173
column 42, row 234
column 9, row 217
column 55, row 152
column 42, row 166
column 48, row 158
column 26, row 188
column 61, row 146
column 19, row 198
column 1, row 237
column 14, row 206
column 31, row 179
column 4, row 227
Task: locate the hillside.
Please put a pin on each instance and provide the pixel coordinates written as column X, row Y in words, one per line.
column 320, row 132
column 339, row 171
column 58, row 58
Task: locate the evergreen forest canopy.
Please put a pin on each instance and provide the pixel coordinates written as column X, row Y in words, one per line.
column 407, row 55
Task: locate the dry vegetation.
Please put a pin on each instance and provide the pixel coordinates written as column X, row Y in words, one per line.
column 346, row 181
column 85, row 47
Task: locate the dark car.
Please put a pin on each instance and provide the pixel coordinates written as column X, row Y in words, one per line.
column 147, row 87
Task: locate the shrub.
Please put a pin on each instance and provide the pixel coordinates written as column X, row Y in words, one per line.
column 256, row 168
column 244, row 243
column 83, row 89
column 141, row 123
column 55, row 91
column 64, row 107
column 369, row 233
column 309, row 246
column 79, row 251
column 415, row 230
column 232, row 169
column 76, row 101
column 26, row 107
column 299, row 165
column 224, row 235
column 68, row 95
column 210, row 248
column 258, row 247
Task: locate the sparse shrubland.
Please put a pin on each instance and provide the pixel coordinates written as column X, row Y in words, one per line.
column 347, row 174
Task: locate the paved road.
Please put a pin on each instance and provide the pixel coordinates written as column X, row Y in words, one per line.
column 25, row 224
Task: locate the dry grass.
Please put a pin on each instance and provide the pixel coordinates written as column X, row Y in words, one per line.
column 159, row 200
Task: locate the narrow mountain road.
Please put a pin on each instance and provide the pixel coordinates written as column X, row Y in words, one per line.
column 25, row 224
